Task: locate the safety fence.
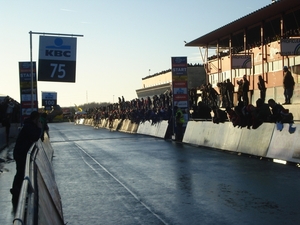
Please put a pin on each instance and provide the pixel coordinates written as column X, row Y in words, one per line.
column 265, row 141
column 39, row 200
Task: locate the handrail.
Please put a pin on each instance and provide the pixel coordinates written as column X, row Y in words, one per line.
column 30, row 218
column 20, row 212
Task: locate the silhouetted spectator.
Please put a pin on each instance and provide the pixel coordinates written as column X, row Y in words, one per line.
column 279, row 113
column 30, row 133
column 262, row 87
column 220, row 116
column 240, row 90
column 246, row 85
column 230, row 91
column 288, row 85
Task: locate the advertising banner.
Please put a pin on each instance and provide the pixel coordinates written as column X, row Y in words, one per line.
column 241, row 62
column 290, row 46
column 180, row 87
column 179, row 66
column 28, row 89
column 57, row 59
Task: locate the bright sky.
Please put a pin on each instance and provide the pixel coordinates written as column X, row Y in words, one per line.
column 122, row 40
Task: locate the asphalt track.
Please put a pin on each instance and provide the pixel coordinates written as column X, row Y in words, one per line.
column 118, row 178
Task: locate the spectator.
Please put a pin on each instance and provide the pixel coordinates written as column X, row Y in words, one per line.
column 288, row 85
column 246, row 85
column 30, row 133
column 263, row 111
column 240, row 90
column 212, row 95
column 233, row 117
column 230, row 91
column 279, row 113
column 262, row 87
column 45, row 127
column 220, row 116
column 179, row 123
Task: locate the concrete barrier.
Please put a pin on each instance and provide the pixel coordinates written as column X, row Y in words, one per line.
column 190, row 135
column 256, row 142
column 285, row 146
column 158, row 129
column 265, row 141
column 144, row 128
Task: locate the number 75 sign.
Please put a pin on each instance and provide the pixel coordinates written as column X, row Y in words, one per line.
column 57, row 59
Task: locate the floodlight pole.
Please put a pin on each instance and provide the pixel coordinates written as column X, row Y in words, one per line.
column 31, row 63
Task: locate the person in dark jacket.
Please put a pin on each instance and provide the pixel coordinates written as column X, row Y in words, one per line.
column 288, row 85
column 29, row 134
column 246, row 86
column 262, row 88
column 179, row 118
column 45, row 127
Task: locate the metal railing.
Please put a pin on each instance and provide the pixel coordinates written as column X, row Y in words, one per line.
column 26, row 204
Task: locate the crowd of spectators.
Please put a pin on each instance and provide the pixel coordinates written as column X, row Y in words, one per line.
column 216, row 105
column 154, row 109
column 245, row 114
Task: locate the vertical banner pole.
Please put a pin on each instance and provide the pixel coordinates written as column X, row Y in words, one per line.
column 31, row 70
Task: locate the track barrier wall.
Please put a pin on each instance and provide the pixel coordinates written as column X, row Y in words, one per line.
column 39, row 187
column 265, row 141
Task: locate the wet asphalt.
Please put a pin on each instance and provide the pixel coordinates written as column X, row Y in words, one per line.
column 119, row 178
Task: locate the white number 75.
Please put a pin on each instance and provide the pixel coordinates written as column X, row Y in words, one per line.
column 61, row 71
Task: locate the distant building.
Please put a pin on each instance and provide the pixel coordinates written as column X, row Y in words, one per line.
column 159, row 83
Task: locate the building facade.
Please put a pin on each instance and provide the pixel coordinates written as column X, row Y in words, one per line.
column 258, row 35
column 159, row 83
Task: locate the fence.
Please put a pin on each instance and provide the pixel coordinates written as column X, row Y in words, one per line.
column 39, row 201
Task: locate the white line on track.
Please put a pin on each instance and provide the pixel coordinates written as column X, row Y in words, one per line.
column 123, row 185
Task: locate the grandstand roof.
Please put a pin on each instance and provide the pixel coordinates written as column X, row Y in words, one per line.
column 263, row 14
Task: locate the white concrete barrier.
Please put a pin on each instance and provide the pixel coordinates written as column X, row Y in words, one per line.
column 264, row 141
column 191, row 131
column 256, row 142
column 232, row 137
column 285, row 146
column 226, row 136
column 157, row 130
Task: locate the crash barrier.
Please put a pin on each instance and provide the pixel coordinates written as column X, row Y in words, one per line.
column 265, row 141
column 117, row 124
column 39, row 189
column 158, row 129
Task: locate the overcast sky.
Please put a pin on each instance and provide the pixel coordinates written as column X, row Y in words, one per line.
column 124, row 41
